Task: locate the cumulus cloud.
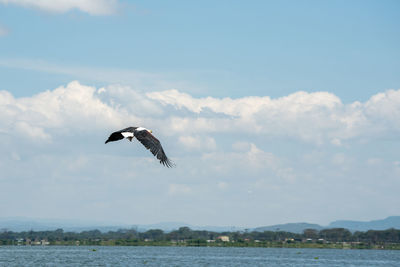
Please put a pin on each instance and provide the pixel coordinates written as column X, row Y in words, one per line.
column 27, row 130
column 318, row 118
column 74, row 108
column 203, row 143
column 224, row 148
column 93, row 7
column 250, row 161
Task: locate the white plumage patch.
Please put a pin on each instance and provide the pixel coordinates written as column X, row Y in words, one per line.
column 140, row 129
column 127, row 134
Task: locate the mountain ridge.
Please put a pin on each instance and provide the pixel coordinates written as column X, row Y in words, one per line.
column 25, row 224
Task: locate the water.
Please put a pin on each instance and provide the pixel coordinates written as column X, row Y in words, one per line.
column 192, row 256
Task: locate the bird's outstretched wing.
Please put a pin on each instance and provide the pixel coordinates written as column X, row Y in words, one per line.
column 152, row 144
column 121, row 134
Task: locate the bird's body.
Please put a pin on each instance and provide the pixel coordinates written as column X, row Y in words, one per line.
column 146, row 138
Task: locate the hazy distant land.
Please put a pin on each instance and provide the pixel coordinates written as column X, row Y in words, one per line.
column 26, row 224
column 338, row 238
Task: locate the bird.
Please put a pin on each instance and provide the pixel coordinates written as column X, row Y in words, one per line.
column 147, row 139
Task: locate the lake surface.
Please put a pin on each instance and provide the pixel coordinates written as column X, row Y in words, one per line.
column 192, row 256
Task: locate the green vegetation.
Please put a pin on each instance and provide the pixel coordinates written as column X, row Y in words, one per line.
column 328, row 238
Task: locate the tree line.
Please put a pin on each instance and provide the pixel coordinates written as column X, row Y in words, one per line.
column 185, row 234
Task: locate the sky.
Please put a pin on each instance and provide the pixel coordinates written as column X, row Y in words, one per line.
column 273, row 111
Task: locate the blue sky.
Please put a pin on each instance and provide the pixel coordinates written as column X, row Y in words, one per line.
column 274, row 111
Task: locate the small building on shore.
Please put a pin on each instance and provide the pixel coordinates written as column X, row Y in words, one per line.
column 223, row 238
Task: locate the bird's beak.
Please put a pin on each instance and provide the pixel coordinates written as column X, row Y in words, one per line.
column 151, row 131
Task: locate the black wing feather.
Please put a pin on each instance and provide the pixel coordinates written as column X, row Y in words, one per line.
column 115, row 136
column 154, row 145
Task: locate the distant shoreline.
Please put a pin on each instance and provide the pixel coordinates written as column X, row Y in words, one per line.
column 335, row 238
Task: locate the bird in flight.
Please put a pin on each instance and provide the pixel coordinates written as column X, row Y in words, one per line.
column 147, row 139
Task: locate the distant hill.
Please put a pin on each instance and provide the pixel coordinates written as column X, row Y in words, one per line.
column 289, row 227
column 171, row 226
column 165, row 226
column 25, row 224
column 18, row 224
column 389, row 222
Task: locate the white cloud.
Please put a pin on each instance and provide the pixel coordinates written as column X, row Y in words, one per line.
column 203, row 143
column 312, row 117
column 319, row 118
column 241, row 146
column 34, row 132
column 384, row 109
column 249, row 163
column 93, row 7
column 74, row 108
column 52, row 145
column 299, row 102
